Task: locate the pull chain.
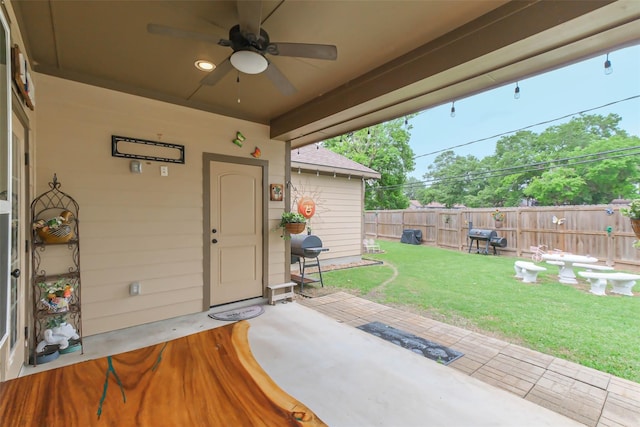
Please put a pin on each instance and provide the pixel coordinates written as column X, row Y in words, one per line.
column 238, row 82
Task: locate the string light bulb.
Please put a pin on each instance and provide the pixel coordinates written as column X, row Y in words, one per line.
column 608, row 69
column 516, row 92
column 453, row 109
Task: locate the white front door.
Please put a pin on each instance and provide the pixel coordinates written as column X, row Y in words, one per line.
column 236, row 232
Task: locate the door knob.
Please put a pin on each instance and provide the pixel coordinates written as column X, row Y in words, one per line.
column 214, row 231
column 214, row 241
column 16, row 273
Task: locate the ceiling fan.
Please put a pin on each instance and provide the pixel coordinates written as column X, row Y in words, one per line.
column 251, row 44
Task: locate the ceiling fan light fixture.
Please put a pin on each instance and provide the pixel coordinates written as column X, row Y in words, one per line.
column 248, row 62
column 204, row 65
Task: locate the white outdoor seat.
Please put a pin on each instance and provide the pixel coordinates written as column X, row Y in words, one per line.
column 527, row 271
column 591, row 267
column 370, row 246
column 288, row 293
column 622, row 282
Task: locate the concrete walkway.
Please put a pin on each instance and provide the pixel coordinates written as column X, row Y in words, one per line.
column 586, row 395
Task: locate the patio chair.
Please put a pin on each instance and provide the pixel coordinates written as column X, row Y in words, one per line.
column 370, row 246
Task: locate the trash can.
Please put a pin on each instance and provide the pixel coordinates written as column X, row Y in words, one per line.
column 412, row 237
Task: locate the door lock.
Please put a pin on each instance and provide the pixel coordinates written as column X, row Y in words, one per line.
column 214, row 230
column 214, row 241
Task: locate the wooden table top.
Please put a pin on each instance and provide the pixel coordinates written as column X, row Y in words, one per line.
column 207, row 379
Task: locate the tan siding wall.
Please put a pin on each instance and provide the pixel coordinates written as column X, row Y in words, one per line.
column 339, row 211
column 276, row 244
column 140, row 227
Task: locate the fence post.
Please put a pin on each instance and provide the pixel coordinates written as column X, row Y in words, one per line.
column 460, row 220
column 518, row 233
column 376, row 224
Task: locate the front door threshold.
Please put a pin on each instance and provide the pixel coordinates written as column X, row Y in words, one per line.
column 242, row 303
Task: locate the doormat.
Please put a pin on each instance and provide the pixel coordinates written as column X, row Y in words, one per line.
column 242, row 313
column 428, row 349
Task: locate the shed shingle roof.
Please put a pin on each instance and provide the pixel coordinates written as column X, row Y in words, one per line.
column 317, row 158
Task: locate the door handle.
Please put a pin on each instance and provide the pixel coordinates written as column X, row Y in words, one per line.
column 214, row 241
column 16, row 273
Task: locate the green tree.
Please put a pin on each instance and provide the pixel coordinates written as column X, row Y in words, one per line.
column 588, row 160
column 455, row 180
column 413, row 188
column 384, row 148
column 559, row 186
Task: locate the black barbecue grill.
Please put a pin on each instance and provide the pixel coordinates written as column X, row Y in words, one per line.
column 489, row 237
column 305, row 246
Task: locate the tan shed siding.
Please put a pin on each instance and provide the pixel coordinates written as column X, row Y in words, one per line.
column 339, row 210
column 140, row 227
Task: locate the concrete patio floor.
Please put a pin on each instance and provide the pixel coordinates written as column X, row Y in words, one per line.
column 586, row 395
column 351, row 378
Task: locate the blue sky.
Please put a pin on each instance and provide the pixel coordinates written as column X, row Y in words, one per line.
column 544, row 97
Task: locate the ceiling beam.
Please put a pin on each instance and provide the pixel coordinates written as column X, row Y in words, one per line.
column 425, row 69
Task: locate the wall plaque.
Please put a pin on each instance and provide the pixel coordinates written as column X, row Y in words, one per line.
column 134, row 148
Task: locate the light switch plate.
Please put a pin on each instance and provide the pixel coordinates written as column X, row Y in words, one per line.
column 134, row 289
column 164, row 170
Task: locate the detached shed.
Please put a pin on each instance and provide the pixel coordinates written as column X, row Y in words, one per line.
column 336, row 184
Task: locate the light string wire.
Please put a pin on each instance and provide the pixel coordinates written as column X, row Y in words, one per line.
column 527, row 127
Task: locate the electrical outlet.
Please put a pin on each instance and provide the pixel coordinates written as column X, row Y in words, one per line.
column 164, row 170
column 135, row 289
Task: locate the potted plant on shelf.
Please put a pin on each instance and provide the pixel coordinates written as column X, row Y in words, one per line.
column 633, row 213
column 498, row 217
column 57, row 295
column 293, row 222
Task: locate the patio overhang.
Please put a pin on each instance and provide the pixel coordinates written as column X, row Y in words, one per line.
column 516, row 41
column 392, row 61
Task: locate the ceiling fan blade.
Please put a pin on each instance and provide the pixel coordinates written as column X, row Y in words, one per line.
column 183, row 34
column 250, row 16
column 279, row 80
column 306, row 50
column 216, row 75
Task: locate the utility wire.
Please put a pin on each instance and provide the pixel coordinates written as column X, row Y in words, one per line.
column 526, row 127
column 530, row 167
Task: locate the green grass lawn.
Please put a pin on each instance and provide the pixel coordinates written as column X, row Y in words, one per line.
column 480, row 292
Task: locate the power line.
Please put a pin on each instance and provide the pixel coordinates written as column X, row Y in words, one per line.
column 530, row 167
column 527, row 127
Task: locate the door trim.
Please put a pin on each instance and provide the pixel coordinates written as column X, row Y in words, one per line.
column 207, row 158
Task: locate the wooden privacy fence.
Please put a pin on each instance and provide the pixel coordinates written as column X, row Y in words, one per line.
column 596, row 230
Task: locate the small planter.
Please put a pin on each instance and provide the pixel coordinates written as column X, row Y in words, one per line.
column 57, row 304
column 295, row 227
column 61, row 235
column 49, row 354
column 499, row 224
column 635, row 225
column 74, row 345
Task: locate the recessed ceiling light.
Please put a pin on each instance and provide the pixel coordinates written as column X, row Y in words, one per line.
column 203, row 65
